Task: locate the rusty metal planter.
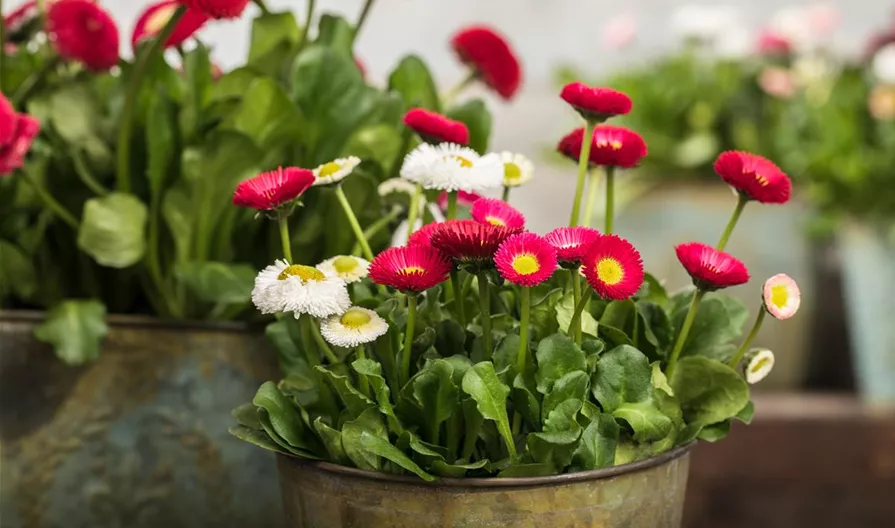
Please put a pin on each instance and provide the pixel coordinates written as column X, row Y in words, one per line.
column 138, row 438
column 646, row 494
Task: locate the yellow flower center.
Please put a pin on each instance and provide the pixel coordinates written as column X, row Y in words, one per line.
column 355, row 319
column 511, row 172
column 305, row 273
column 411, row 270
column 159, row 19
column 526, row 264
column 610, row 271
column 760, row 364
column 328, row 169
column 345, row 264
column 761, row 180
column 614, row 144
column 493, row 220
column 779, row 295
column 465, row 163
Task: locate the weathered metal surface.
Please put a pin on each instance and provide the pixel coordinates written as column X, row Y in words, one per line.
column 138, row 438
column 648, row 494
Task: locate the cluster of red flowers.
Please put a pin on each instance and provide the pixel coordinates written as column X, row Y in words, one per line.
column 17, row 132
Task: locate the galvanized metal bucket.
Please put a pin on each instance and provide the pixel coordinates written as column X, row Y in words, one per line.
column 646, row 494
column 137, row 438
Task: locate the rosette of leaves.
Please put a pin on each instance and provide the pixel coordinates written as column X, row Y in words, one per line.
column 165, row 240
column 575, row 407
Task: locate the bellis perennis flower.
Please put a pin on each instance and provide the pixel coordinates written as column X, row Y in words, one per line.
column 435, row 128
column 81, row 30
column 525, row 259
column 498, row 213
column 595, row 104
column 615, row 146
column 423, row 235
column 218, row 8
column 346, row 267
column 781, row 296
column 572, row 243
column 613, row 268
column 17, row 132
column 157, row 15
column 709, row 268
column 464, row 199
column 335, row 171
column 281, row 287
column 470, row 242
column 489, row 54
column 270, row 190
column 517, row 169
column 410, row 268
column 355, row 327
column 759, row 363
column 450, row 167
column 754, row 177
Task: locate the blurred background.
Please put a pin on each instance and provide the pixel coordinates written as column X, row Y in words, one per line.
column 808, row 85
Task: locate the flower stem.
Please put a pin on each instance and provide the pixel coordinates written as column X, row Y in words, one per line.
column 458, row 297
column 485, row 315
column 262, row 6
column 85, row 175
column 309, row 15
column 355, row 225
column 285, row 239
column 525, row 311
column 156, row 48
column 685, row 329
column 593, row 189
column 457, row 89
column 452, row 205
column 362, row 19
column 735, row 360
column 734, row 218
column 414, row 211
column 377, row 226
column 583, row 162
column 506, row 194
column 576, row 317
column 361, row 379
column 610, row 199
column 33, row 81
column 408, row 337
column 576, row 297
column 324, row 346
column 57, row 208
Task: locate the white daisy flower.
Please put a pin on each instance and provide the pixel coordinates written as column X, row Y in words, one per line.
column 396, row 185
column 346, row 267
column 450, row 167
column 884, row 64
column 281, row 287
column 335, row 171
column 759, row 364
column 355, row 327
column 517, row 169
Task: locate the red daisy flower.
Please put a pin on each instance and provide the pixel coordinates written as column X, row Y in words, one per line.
column 17, row 132
column 218, row 8
column 464, row 199
column 709, row 268
column 617, row 147
column 613, row 267
column 470, row 242
column 772, row 43
column 497, row 212
column 435, row 128
column 410, row 268
column 156, row 16
column 490, row 55
column 83, row 31
column 525, row 259
column 269, row 190
column 754, row 177
column 423, row 235
column 595, row 104
column 570, row 145
column 571, row 243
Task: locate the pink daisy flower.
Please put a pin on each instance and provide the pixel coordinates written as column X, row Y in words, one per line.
column 410, row 268
column 497, row 212
column 571, row 243
column 525, row 259
column 781, row 296
column 709, row 268
column 613, row 267
column 270, row 190
column 754, row 176
column 596, row 104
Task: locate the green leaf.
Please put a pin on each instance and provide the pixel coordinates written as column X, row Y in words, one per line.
column 647, row 421
column 411, row 78
column 444, row 469
column 714, row 432
column 565, row 309
column 528, row 470
column 177, row 210
column 246, row 415
column 75, row 329
column 336, row 32
column 267, row 116
column 75, row 113
column 369, row 422
column 272, row 33
column 378, row 143
column 113, row 229
column 264, row 418
column 284, row 418
column 619, row 314
column 490, row 395
column 658, row 379
column 622, row 376
column 570, row 388
column 161, row 131
column 504, row 358
column 354, row 400
column 555, row 448
column 256, row 437
column 653, row 291
column 218, row 282
column 709, row 391
column 746, row 413
column 450, row 338
column 17, row 273
column 372, row 371
column 598, row 442
column 524, row 400
column 332, row 441
column 557, row 355
column 436, row 394
column 233, row 85
column 474, row 114
column 380, row 446
column 719, row 321
column 655, row 332
column 563, row 417
column 197, row 71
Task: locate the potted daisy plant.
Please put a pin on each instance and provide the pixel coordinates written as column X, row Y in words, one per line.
column 125, row 277
column 479, row 373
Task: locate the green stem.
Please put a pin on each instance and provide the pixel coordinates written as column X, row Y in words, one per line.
column 262, row 6
column 458, row 297
column 434, row 432
column 355, row 225
column 610, row 199
column 324, row 346
column 525, row 310
column 86, row 176
column 635, row 337
column 54, row 206
column 576, row 297
column 377, row 226
column 33, row 81
column 685, row 329
column 506, row 194
column 414, row 211
column 361, row 379
column 309, row 15
column 285, row 239
column 583, row 162
column 467, row 285
column 452, row 205
column 593, row 189
column 408, row 338
column 579, row 310
column 485, row 315
column 458, row 88
column 362, row 19
column 734, row 218
column 156, row 48
column 735, row 360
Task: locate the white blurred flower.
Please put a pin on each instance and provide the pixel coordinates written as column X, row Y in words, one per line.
column 884, row 64
column 704, row 23
column 346, row 267
column 518, row 170
column 777, row 82
column 396, row 185
column 759, row 364
column 620, row 31
column 335, row 171
column 806, row 27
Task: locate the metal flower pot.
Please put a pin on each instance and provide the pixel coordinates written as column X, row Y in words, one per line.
column 137, row 438
column 643, row 494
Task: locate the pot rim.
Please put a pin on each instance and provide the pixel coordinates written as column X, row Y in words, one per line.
column 493, row 482
column 139, row 321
